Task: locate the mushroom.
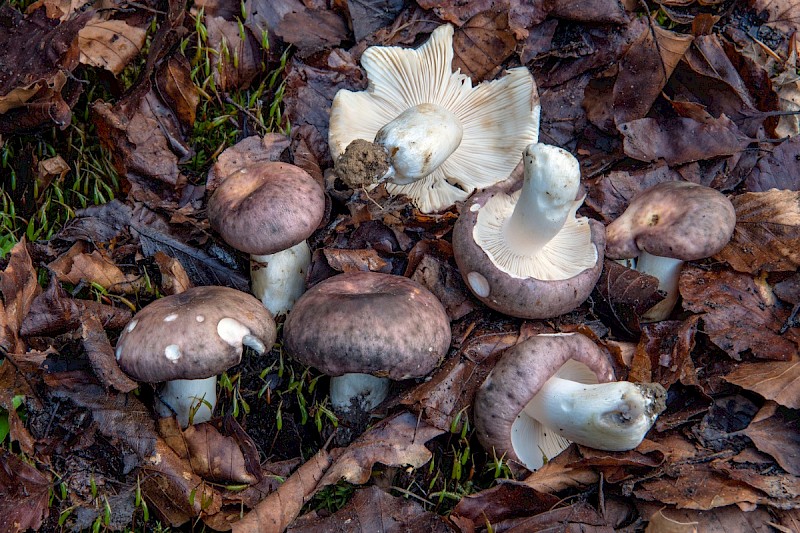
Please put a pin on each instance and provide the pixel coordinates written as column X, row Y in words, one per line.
column 552, row 389
column 442, row 137
column 187, row 339
column 668, row 224
column 525, row 254
column 269, row 210
column 364, row 329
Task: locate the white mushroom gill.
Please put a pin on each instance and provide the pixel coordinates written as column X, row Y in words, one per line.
column 534, row 232
column 279, row 279
column 497, row 118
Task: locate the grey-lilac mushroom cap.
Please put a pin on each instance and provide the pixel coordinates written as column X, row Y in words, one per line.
column 519, row 375
column 195, row 334
column 266, row 208
column 368, row 323
column 676, row 219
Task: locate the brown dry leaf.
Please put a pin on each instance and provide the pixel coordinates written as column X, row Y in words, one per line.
column 176, row 88
column 101, row 355
column 511, row 499
column 775, row 380
column 644, row 70
column 355, row 260
column 562, row 473
column 442, row 278
column 275, row 512
column 372, row 510
column 238, row 60
column 783, row 489
column 77, row 266
column 52, row 168
column 213, row 456
column 330, row 30
column 625, row 295
column 681, row 140
column 24, row 494
column 775, row 433
column 248, row 151
column 720, row 520
column 663, row 354
column 174, row 278
column 777, row 168
column 578, row 517
column 783, row 15
column 19, row 287
column 767, row 232
column 110, row 44
column 482, row 45
column 613, row 191
column 740, row 313
column 367, row 16
column 395, row 441
column 661, row 523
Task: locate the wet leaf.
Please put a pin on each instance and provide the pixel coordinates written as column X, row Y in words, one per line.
column 767, row 232
column 774, row 380
column 739, row 313
column 24, row 494
column 373, row 510
column 110, row 44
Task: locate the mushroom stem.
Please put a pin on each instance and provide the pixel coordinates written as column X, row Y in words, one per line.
column 358, row 392
column 552, row 178
column 608, row 416
column 191, row 400
column 667, row 270
column 279, row 279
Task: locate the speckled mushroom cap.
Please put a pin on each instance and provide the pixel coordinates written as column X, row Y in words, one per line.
column 266, row 208
column 369, row 323
column 677, row 219
column 192, row 335
column 518, row 376
column 520, row 297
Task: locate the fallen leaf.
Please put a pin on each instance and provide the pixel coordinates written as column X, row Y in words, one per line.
column 19, row 287
column 576, row 517
column 373, row 510
column 739, row 314
column 774, row 380
column 238, row 60
column 777, row 168
column 563, row 473
column 176, row 88
column 663, row 354
column 625, row 295
column 101, row 355
column 442, row 278
column 249, row 151
column 778, row 435
column 24, row 494
column 395, row 441
column 459, row 12
column 667, row 519
column 783, row 15
column 509, row 499
column 613, row 191
column 767, row 232
column 367, row 16
column 482, row 45
column 80, row 266
column 110, row 44
column 329, row 30
column 174, row 278
column 355, row 260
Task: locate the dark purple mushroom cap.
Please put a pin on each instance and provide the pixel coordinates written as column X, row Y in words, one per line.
column 520, row 297
column 369, row 323
column 192, row 335
column 676, row 219
column 517, row 378
column 266, row 208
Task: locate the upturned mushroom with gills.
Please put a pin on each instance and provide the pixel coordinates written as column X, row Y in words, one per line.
column 364, row 329
column 526, row 254
column 431, row 134
column 666, row 225
column 185, row 340
column 550, row 390
column 268, row 210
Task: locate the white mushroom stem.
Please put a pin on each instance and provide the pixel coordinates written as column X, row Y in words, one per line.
column 419, row 140
column 191, row 400
column 667, row 270
column 357, row 392
column 552, row 179
column 279, row 279
column 608, row 416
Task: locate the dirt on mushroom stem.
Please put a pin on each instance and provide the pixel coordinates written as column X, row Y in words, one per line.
column 362, row 164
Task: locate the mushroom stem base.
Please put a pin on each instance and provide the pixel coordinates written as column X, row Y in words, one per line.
column 279, row 279
column 191, row 400
column 357, row 392
column 668, row 271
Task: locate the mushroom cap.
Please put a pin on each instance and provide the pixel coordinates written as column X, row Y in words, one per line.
column 192, row 335
column 499, row 118
column 677, row 219
column 521, row 297
column 266, row 208
column 369, row 323
column 517, row 378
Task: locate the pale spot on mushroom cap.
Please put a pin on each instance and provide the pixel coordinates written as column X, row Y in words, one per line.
column 479, row 284
column 232, row 331
column 173, row 352
column 118, row 352
column 474, row 207
column 200, row 318
column 170, row 318
column 131, row 325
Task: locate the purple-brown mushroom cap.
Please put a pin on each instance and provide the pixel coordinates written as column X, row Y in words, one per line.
column 266, row 207
column 520, row 297
column 192, row 335
column 369, row 323
column 676, row 219
column 517, row 378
